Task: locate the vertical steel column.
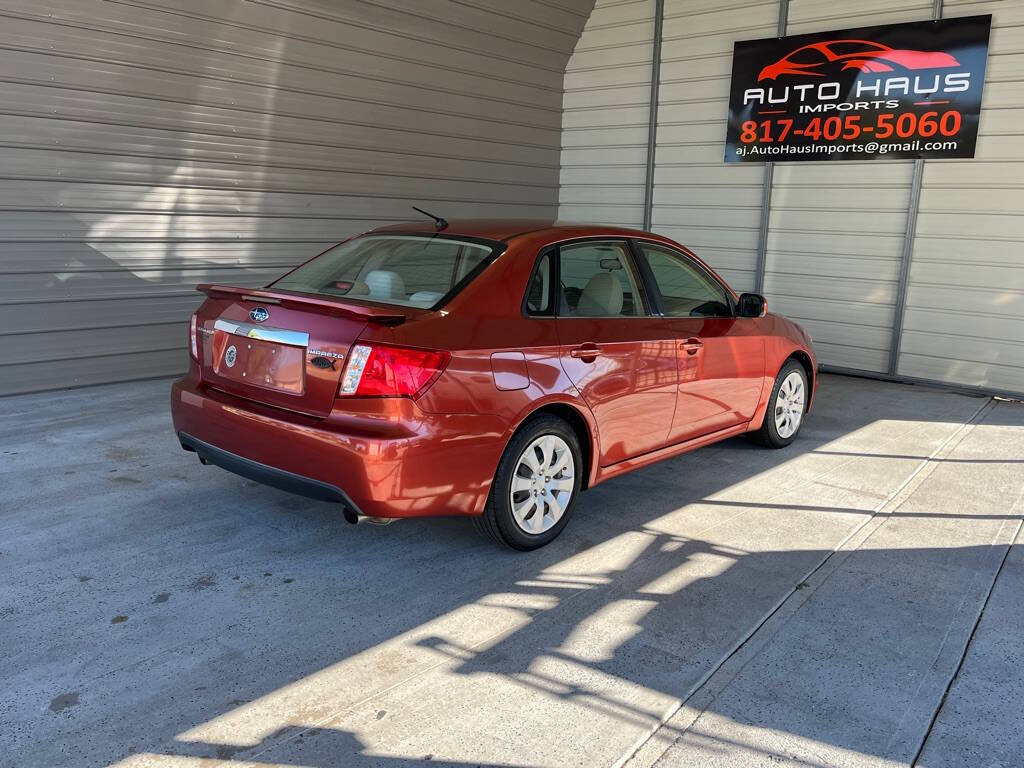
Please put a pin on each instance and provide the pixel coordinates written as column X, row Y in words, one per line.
column 766, row 186
column 652, row 120
column 907, row 254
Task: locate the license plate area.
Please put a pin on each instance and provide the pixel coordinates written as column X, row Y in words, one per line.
column 269, row 358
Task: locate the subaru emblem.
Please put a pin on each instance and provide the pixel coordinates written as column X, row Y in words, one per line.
column 259, row 314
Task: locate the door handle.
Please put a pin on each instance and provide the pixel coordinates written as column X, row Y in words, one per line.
column 587, row 353
column 692, row 346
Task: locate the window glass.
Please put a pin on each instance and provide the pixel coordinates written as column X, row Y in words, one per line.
column 597, row 281
column 805, row 56
column 686, row 289
column 391, row 269
column 538, row 294
column 846, row 47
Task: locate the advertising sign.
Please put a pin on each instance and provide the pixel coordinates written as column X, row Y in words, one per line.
column 894, row 91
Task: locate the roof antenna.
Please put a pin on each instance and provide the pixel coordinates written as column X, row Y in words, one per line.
column 438, row 221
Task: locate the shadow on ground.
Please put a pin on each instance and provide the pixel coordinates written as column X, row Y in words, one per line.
column 161, row 612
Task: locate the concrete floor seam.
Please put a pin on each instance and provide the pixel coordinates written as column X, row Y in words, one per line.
column 421, row 646
column 871, row 516
column 902, row 492
column 974, row 631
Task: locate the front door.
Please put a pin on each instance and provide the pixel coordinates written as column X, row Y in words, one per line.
column 622, row 360
column 720, row 356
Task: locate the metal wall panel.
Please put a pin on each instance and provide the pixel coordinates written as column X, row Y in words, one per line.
column 835, row 232
column 836, row 229
column 147, row 145
column 964, row 319
column 712, row 207
column 605, row 117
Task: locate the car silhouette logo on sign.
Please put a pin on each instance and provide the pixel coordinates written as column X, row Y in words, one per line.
column 259, row 314
column 862, row 55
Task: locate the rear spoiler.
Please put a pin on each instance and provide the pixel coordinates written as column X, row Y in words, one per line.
column 304, row 301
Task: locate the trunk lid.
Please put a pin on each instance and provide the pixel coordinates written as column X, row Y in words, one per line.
column 280, row 348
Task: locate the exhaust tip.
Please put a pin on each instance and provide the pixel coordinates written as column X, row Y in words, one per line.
column 350, row 516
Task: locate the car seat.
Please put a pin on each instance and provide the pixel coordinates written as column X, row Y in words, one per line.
column 385, row 284
column 602, row 296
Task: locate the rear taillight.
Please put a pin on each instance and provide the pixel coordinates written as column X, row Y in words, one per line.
column 193, row 336
column 383, row 371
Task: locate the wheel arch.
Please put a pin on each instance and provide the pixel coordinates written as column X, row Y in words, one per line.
column 805, row 360
column 800, row 356
column 580, row 425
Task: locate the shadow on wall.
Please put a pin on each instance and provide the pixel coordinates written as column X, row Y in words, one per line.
column 228, row 141
column 103, row 278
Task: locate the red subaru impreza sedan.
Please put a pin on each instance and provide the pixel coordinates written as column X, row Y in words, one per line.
column 492, row 369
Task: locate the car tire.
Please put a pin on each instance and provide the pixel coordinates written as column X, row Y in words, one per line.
column 524, row 517
column 787, row 406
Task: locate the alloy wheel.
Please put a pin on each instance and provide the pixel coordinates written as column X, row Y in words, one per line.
column 789, row 405
column 542, row 484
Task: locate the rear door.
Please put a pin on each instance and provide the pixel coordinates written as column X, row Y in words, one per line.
column 720, row 356
column 620, row 357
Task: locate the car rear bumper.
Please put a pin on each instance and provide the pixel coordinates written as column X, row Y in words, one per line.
column 267, row 475
column 380, row 457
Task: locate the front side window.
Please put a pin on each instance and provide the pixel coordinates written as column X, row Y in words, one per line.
column 686, row 290
column 408, row 270
column 598, row 281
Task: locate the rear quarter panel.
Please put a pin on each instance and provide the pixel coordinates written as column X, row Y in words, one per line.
column 483, row 319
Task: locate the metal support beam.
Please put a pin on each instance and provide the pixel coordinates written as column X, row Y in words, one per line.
column 762, row 234
column 766, row 186
column 907, row 254
column 652, row 119
column 905, row 257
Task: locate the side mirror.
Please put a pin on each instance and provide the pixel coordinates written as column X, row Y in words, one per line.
column 751, row 305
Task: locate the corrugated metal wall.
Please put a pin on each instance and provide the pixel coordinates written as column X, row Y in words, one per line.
column 605, row 119
column 147, row 145
column 835, row 231
column 964, row 320
column 712, row 207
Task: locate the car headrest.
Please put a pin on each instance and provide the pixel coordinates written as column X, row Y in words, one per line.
column 601, row 297
column 359, row 288
column 385, row 284
column 426, row 298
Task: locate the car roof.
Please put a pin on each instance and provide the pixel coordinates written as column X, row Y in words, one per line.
column 508, row 229
column 541, row 232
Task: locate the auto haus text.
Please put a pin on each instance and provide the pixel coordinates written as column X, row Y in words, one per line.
column 876, row 93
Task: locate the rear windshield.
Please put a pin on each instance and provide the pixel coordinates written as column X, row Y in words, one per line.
column 408, row 270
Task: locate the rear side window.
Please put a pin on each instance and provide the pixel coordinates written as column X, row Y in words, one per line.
column 539, row 296
column 806, row 56
column 407, row 270
column 598, row 281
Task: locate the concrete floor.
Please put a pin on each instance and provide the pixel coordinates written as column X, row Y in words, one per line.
column 738, row 606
